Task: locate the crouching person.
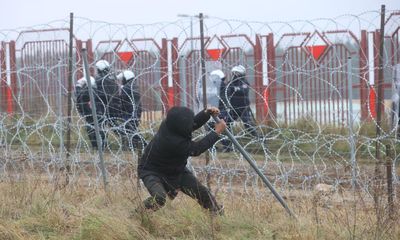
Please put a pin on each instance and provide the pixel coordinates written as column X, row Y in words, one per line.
column 162, row 166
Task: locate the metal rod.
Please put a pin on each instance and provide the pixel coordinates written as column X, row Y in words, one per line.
column 396, row 101
column 191, row 34
column 60, row 109
column 203, row 83
column 252, row 163
column 390, row 192
column 350, row 122
column 70, row 71
column 380, row 84
column 96, row 122
column 203, row 63
column 379, row 102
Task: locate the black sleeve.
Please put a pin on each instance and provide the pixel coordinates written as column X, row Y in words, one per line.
column 138, row 104
column 200, row 119
column 242, row 88
column 197, row 148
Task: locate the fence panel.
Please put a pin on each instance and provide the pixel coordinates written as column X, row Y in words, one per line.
column 42, row 68
column 143, row 57
column 312, row 76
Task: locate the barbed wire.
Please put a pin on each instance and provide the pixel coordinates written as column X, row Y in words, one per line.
column 301, row 100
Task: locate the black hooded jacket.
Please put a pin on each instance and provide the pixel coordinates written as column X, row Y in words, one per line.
column 82, row 100
column 130, row 100
column 238, row 93
column 168, row 151
column 106, row 98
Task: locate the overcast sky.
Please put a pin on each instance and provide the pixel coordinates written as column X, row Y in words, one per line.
column 21, row 13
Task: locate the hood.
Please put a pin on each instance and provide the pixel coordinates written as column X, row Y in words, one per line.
column 180, row 120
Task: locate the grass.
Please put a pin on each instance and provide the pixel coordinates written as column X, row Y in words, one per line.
column 303, row 134
column 32, row 208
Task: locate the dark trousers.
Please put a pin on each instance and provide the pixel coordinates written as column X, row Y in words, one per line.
column 162, row 187
column 91, row 131
column 92, row 135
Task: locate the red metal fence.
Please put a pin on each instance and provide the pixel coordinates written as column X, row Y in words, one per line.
column 295, row 76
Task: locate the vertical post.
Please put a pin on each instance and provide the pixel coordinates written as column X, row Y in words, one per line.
column 164, row 74
column 379, row 84
column 13, row 76
column 258, row 71
column 79, row 46
column 379, row 116
column 96, row 122
column 396, row 86
column 70, row 71
column 177, row 92
column 389, row 162
column 364, row 80
column 204, row 84
column 3, row 77
column 191, row 34
column 89, row 50
column 272, row 78
column 60, row 108
column 350, row 123
column 203, row 63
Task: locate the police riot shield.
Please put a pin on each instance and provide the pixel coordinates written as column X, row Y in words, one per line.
column 213, row 84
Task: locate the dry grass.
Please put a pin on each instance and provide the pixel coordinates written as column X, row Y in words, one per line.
column 32, row 208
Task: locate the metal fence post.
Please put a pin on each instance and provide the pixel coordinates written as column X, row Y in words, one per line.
column 389, row 177
column 364, row 84
column 70, row 71
column 204, row 85
column 350, row 123
column 379, row 112
column 96, row 121
column 272, row 86
column 60, row 109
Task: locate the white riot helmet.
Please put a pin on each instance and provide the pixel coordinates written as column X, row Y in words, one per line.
column 238, row 70
column 218, row 73
column 83, row 82
column 102, row 66
column 126, row 76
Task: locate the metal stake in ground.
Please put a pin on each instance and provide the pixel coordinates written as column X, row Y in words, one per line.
column 204, row 85
column 96, row 121
column 252, row 163
column 70, row 71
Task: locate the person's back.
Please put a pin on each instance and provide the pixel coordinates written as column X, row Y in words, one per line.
column 168, row 151
column 130, row 100
column 83, row 106
column 107, row 101
column 237, row 96
column 238, row 89
column 82, row 97
column 107, row 92
column 130, row 111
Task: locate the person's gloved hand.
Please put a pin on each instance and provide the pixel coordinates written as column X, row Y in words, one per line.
column 212, row 111
column 220, row 126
